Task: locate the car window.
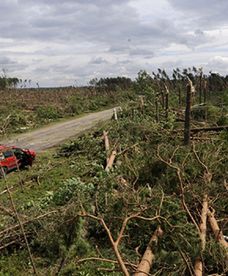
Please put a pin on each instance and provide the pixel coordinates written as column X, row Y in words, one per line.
column 8, row 154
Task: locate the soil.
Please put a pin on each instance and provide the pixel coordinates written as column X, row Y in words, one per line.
column 53, row 135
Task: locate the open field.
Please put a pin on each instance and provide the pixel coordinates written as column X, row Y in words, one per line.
column 25, row 109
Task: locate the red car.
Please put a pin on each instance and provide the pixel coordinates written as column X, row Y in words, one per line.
column 12, row 158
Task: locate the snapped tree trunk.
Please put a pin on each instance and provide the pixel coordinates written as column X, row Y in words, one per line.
column 107, row 145
column 217, row 231
column 187, row 124
column 166, row 102
column 203, row 228
column 148, row 256
column 179, row 96
column 157, row 109
column 111, row 161
column 200, row 87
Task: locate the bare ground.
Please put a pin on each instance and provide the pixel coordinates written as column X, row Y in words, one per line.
column 50, row 136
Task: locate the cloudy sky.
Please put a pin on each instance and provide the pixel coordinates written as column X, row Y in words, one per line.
column 69, row 42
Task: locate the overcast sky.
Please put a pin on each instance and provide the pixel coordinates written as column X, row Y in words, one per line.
column 69, row 42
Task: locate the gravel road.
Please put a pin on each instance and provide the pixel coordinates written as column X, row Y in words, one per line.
column 53, row 135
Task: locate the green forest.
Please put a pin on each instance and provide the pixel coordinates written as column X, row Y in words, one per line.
column 142, row 194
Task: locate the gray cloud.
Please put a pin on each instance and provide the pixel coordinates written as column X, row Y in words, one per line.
column 207, row 13
column 59, row 40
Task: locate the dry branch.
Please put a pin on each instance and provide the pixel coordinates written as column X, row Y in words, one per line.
column 115, row 243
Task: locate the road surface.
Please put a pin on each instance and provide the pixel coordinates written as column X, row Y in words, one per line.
column 53, row 135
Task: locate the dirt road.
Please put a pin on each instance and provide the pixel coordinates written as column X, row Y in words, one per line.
column 53, row 135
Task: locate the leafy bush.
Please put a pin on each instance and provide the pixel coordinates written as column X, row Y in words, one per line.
column 48, row 113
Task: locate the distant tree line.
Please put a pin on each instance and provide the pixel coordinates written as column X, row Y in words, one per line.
column 6, row 82
column 111, row 84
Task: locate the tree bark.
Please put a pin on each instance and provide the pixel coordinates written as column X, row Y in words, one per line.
column 203, row 224
column 216, row 230
column 111, row 161
column 148, row 256
column 107, row 145
column 203, row 228
column 198, row 267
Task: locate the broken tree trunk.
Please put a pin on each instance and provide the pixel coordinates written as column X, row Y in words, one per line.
column 115, row 114
column 148, row 256
column 203, row 223
column 203, row 228
column 187, row 124
column 107, row 145
column 198, row 267
column 166, row 102
column 216, row 230
column 200, row 85
column 111, row 161
column 157, row 109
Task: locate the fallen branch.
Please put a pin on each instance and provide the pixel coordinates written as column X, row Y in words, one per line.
column 115, row 243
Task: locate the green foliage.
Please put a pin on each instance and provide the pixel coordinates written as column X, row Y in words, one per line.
column 47, row 113
column 144, row 84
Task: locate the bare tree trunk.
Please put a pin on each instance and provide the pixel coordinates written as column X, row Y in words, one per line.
column 198, row 267
column 179, row 96
column 187, row 124
column 157, row 109
column 216, row 230
column 200, row 87
column 166, row 102
column 148, row 256
column 107, row 145
column 203, row 226
column 111, row 161
column 115, row 114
